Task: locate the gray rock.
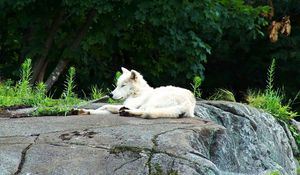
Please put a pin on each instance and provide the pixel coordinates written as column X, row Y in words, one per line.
column 253, row 141
column 226, row 138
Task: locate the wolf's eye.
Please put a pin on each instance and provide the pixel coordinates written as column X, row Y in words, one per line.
column 122, row 85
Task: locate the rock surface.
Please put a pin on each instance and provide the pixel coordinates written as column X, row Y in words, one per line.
column 225, row 138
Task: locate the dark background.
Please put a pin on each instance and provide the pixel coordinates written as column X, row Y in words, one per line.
column 225, row 42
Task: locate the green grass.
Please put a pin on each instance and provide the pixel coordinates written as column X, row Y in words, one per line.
column 223, row 94
column 96, row 93
column 24, row 94
column 197, row 81
column 271, row 100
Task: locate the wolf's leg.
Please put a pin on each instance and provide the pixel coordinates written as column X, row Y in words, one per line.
column 111, row 108
column 130, row 112
column 89, row 111
column 168, row 112
column 106, row 109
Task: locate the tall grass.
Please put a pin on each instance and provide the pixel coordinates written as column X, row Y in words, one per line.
column 21, row 93
column 271, row 100
column 24, row 94
column 96, row 93
column 67, row 101
column 69, row 84
column 270, row 76
column 223, row 94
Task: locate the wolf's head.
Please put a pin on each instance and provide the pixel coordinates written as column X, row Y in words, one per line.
column 130, row 83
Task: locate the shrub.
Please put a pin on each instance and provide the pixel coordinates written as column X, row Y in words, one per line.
column 23, row 94
column 271, row 100
column 197, row 81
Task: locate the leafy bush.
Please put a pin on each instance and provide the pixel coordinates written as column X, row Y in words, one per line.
column 21, row 93
column 167, row 38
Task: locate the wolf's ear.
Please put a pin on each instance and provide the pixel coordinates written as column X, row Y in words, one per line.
column 124, row 70
column 133, row 75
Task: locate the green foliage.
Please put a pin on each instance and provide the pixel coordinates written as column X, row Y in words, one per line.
column 26, row 71
column 40, row 92
column 22, row 94
column 69, row 84
column 271, row 100
column 159, row 171
column 169, row 42
column 23, row 86
column 56, row 106
column 295, row 134
column 197, row 81
column 247, row 58
column 123, row 148
column 117, row 76
column 274, row 173
column 298, row 169
column 223, row 94
column 270, row 79
column 168, row 39
column 96, row 93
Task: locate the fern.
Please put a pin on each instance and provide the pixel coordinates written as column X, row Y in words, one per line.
column 270, row 79
column 23, row 87
column 70, row 84
column 197, row 81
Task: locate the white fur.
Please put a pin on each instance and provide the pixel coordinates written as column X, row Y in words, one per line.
column 147, row 102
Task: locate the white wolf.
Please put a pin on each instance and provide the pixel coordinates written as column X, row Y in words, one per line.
column 143, row 101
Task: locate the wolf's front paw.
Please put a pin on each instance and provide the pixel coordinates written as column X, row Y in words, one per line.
column 123, row 108
column 76, row 111
column 124, row 111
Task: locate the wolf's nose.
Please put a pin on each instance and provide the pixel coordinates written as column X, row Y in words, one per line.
column 110, row 95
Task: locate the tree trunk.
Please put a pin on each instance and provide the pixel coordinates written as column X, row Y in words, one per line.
column 41, row 63
column 53, row 77
column 62, row 64
column 38, row 65
column 41, row 75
